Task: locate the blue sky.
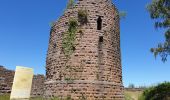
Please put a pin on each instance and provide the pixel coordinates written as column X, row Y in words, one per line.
column 24, row 35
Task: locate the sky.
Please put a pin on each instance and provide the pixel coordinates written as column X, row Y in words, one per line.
column 25, row 28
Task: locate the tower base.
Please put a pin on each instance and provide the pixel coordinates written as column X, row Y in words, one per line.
column 84, row 90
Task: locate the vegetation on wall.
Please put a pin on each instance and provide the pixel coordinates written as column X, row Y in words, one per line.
column 69, row 45
column 69, row 38
column 70, row 3
column 82, row 16
column 122, row 14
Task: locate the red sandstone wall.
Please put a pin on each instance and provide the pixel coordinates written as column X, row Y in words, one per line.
column 87, row 51
column 37, row 86
column 6, row 79
column 93, row 61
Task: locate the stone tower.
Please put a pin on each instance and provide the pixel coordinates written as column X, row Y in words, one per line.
column 93, row 69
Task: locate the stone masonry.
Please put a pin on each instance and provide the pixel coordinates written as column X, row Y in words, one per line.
column 96, row 60
column 37, row 86
column 6, row 79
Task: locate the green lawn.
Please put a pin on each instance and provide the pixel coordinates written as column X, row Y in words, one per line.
column 128, row 96
column 132, row 95
column 4, row 97
column 7, row 97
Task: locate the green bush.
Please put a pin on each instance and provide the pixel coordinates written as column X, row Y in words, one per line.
column 70, row 3
column 68, row 43
column 159, row 92
column 82, row 17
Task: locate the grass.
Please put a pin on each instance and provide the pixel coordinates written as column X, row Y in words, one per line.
column 132, row 95
column 7, row 97
column 129, row 95
column 4, row 97
column 37, row 98
column 40, row 98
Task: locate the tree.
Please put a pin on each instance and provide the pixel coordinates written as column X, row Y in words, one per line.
column 131, row 86
column 160, row 11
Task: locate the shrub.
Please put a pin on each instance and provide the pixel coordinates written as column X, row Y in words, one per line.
column 70, row 3
column 159, row 92
column 73, row 24
column 69, row 38
column 82, row 17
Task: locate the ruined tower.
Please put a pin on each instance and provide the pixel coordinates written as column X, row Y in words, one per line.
column 84, row 60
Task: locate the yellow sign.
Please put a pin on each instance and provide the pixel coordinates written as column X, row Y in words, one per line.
column 22, row 83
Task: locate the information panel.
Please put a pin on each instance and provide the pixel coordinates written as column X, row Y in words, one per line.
column 22, row 83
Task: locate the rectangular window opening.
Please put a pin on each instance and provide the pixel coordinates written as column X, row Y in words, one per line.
column 100, row 38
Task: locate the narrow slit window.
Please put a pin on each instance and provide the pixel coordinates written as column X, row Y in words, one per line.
column 100, row 38
column 54, row 45
column 99, row 23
